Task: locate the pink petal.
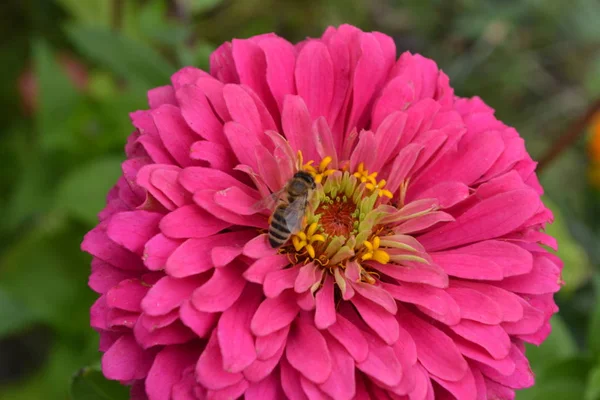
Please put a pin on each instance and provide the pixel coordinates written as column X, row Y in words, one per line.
column 448, row 194
column 167, row 369
column 250, row 62
column 195, row 256
column 312, row 391
column 200, row 322
column 168, row 294
column 505, row 366
column 222, row 66
column 513, row 259
column 104, row 276
column 429, row 274
column 521, row 378
column 307, row 276
column 260, row 369
column 174, row 133
column 233, row 332
column 258, row 271
column 267, row 346
column 195, row 179
column 191, row 222
column 377, row 294
column 491, row 337
column 149, row 138
column 258, row 247
column 306, row 350
column 476, row 306
column 277, row 281
column 325, row 314
column 234, row 199
column 462, row 389
column 509, row 303
column 161, row 95
column 315, row 78
column 206, row 200
column 157, row 251
column 216, row 155
column 381, row 362
column 290, row 382
column 267, row 389
column 468, row 266
column 380, row 320
column 543, row 278
column 230, row 392
column 127, row 295
column 187, row 75
column 424, row 222
column 434, row 299
column 491, row 218
column 350, row 337
column 341, row 383
column 435, row 350
column 297, row 123
column 175, row 333
column 387, row 137
column 221, row 290
column 323, row 139
column 280, row 57
column 533, row 319
column 126, row 360
column 97, row 243
column 274, row 314
column 209, row 369
column 199, row 115
column 243, row 143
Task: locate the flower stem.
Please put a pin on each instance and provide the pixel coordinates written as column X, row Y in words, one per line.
column 574, row 131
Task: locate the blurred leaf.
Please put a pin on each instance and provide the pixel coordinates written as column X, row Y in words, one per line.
column 52, row 382
column 593, row 336
column 45, row 271
column 155, row 26
column 198, row 6
column 14, row 316
column 83, row 192
column 592, row 77
column 592, row 390
column 564, row 379
column 89, row 12
column 90, row 384
column 138, row 63
column 57, row 97
column 558, row 346
column 196, row 56
column 577, row 268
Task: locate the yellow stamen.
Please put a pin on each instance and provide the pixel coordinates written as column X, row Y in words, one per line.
column 307, row 239
column 374, row 252
column 322, row 171
column 371, row 182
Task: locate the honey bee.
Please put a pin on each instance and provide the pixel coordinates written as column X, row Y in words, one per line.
column 290, row 207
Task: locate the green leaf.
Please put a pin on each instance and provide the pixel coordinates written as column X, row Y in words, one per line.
column 45, row 272
column 559, row 345
column 82, row 193
column 593, row 336
column 130, row 59
column 577, row 267
column 198, row 6
column 14, row 316
column 57, row 98
column 90, row 384
column 592, row 390
column 563, row 379
column 89, row 12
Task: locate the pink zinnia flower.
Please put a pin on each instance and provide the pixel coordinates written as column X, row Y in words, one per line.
column 418, row 272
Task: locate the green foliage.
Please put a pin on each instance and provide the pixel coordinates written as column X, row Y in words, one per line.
column 90, row 384
column 537, row 62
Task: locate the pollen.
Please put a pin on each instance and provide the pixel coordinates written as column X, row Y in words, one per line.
column 378, row 188
column 322, row 171
column 307, row 239
column 374, row 252
column 363, row 175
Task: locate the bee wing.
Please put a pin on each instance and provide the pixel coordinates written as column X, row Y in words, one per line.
column 294, row 213
column 268, row 202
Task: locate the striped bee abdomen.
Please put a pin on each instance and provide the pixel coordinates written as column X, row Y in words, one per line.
column 278, row 231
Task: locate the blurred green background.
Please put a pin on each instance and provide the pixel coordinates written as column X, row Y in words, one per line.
column 72, row 70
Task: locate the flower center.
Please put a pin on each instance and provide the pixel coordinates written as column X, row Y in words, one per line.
column 337, row 218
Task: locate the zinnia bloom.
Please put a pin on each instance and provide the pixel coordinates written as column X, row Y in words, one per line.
column 418, row 273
